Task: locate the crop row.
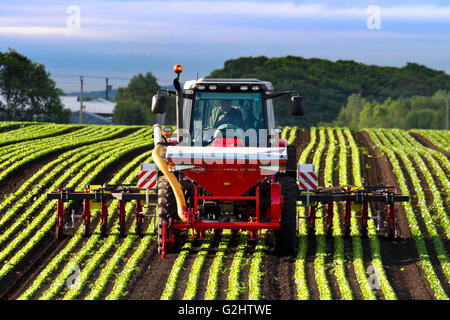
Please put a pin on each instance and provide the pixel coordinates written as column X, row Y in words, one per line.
column 32, row 132
column 217, row 266
column 37, row 204
column 98, row 162
column 358, row 262
column 300, row 262
column 33, row 151
column 421, row 199
column 401, row 140
column 140, row 139
column 386, row 146
column 440, row 138
column 106, row 244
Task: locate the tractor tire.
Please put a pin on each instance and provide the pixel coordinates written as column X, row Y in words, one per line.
column 286, row 239
column 167, row 212
column 291, row 165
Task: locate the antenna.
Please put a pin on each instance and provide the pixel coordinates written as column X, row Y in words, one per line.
column 197, row 66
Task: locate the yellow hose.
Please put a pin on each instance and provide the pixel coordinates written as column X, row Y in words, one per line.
column 176, row 187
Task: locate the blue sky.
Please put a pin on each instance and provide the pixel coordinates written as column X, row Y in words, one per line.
column 119, row 39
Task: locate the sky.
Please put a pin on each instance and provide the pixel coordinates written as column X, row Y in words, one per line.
column 119, row 39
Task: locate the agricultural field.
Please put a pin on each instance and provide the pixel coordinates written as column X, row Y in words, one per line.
column 39, row 158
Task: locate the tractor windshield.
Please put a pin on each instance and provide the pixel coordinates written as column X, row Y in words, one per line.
column 221, row 111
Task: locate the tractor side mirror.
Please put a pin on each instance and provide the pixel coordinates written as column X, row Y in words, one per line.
column 297, row 106
column 159, row 102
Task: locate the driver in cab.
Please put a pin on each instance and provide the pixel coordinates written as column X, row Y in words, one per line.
column 226, row 114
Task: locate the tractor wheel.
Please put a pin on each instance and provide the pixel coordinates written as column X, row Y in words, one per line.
column 286, row 239
column 291, row 166
column 167, row 212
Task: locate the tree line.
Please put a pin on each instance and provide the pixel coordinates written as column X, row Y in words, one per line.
column 340, row 93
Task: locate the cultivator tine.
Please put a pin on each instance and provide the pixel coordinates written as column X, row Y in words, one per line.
column 329, row 219
column 347, row 217
column 139, row 218
column 311, row 220
column 391, row 221
column 121, row 205
column 364, row 218
column 60, row 219
column 104, row 214
column 86, row 216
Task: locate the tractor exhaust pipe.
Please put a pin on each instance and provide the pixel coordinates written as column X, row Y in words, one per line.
column 158, row 159
column 179, row 102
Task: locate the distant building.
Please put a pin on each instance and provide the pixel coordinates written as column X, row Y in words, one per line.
column 98, row 111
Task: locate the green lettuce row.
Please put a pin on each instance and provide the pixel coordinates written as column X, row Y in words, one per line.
column 113, row 238
column 39, row 192
column 358, row 259
column 34, row 132
column 90, row 159
column 425, row 262
column 87, row 248
column 217, row 266
column 11, row 153
column 321, row 250
column 443, row 177
column 338, row 257
column 12, row 230
column 19, row 160
column 300, row 261
column 44, row 215
column 113, row 263
column 437, row 204
column 234, row 285
column 12, row 124
column 53, row 265
column 171, row 284
column 122, row 280
column 292, row 135
column 285, row 132
column 436, row 137
column 194, row 276
column 428, row 219
column 255, row 273
column 37, row 182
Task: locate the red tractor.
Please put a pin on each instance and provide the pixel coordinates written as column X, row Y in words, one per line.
column 227, row 167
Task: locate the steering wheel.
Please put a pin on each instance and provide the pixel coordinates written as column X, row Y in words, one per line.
column 224, row 127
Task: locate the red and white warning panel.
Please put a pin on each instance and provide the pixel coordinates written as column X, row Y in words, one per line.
column 307, row 177
column 147, row 176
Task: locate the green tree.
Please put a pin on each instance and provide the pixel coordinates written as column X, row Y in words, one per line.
column 133, row 103
column 28, row 91
column 326, row 85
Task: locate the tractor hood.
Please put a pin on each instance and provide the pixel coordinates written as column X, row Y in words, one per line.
column 229, row 171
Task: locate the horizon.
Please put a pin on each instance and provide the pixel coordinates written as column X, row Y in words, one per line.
column 119, row 39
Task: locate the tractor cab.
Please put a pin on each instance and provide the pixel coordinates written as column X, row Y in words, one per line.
column 228, row 111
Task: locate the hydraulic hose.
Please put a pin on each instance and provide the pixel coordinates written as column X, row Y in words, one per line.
column 158, row 159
